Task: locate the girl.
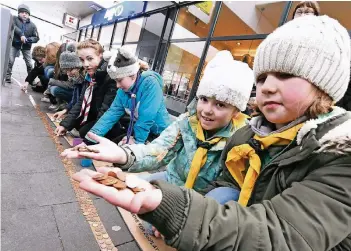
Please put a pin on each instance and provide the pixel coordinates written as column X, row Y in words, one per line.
column 98, row 91
column 192, row 145
column 306, row 8
column 49, row 63
column 296, row 185
column 139, row 95
column 70, row 64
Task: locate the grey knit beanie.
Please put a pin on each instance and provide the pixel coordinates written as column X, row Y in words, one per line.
column 23, row 8
column 315, row 48
column 121, row 64
column 69, row 58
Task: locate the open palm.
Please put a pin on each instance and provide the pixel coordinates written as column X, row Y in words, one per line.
column 142, row 202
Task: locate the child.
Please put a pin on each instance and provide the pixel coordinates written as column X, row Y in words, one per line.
column 139, row 95
column 70, row 64
column 191, row 146
column 38, row 55
column 296, row 185
column 98, row 91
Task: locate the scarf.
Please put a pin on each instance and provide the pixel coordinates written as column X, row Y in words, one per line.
column 203, row 146
column 88, row 95
column 236, row 157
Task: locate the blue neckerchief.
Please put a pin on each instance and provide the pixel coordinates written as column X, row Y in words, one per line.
column 132, row 94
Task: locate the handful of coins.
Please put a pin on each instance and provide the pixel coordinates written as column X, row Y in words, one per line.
column 119, row 180
column 86, row 149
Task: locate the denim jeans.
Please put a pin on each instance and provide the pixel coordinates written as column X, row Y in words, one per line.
column 27, row 56
column 62, row 94
column 49, row 71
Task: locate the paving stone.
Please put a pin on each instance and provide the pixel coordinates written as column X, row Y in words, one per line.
column 75, row 231
column 36, row 189
column 111, row 217
column 23, row 143
column 130, row 246
column 29, row 229
column 30, row 161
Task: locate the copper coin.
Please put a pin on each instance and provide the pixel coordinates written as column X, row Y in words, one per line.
column 95, row 224
column 86, row 213
column 120, row 185
column 138, row 189
column 114, row 249
column 103, row 245
column 108, row 242
column 112, row 174
column 100, row 176
column 132, row 181
column 105, row 236
column 109, row 181
column 101, row 241
column 121, row 176
column 99, row 237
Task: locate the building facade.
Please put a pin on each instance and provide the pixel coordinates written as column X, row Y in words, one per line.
column 178, row 39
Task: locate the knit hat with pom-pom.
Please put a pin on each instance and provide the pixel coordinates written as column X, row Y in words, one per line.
column 121, row 64
column 69, row 58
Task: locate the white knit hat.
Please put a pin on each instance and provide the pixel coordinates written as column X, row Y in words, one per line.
column 121, row 64
column 314, row 48
column 227, row 80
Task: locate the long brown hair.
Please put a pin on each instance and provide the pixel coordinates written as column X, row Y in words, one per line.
column 57, row 70
column 50, row 51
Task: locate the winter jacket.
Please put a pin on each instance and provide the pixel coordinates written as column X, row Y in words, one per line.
column 27, row 29
column 104, row 93
column 77, row 91
column 176, row 147
column 151, row 113
column 301, row 199
column 61, row 81
column 37, row 71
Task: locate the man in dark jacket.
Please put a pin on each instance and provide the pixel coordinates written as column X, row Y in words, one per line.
column 25, row 34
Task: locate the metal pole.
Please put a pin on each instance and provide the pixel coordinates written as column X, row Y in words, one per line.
column 204, row 52
column 113, row 35
column 285, row 14
column 98, row 36
column 125, row 32
column 153, row 67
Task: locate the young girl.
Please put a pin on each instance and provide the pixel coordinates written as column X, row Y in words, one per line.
column 70, row 64
column 296, row 185
column 98, row 91
column 191, row 146
column 139, row 95
column 49, row 62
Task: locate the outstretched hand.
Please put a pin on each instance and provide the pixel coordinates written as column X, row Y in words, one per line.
column 142, row 202
column 105, row 150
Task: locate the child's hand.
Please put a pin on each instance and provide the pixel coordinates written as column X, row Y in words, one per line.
column 24, row 87
column 105, row 150
column 141, row 202
column 60, row 114
column 73, row 153
column 60, row 131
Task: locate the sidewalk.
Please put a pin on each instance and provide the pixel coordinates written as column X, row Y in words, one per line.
column 40, row 210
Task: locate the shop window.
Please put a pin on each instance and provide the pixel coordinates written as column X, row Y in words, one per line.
column 153, row 26
column 119, row 32
column 134, row 29
column 114, row 47
column 89, row 30
column 180, row 68
column 339, row 10
column 194, row 21
column 242, row 50
column 82, row 35
column 96, row 33
column 105, row 36
column 248, row 18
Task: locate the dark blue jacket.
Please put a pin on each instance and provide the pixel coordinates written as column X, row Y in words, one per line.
column 27, row 29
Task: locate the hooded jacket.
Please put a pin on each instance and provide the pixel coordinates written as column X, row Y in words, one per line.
column 151, row 112
column 301, row 199
column 27, row 29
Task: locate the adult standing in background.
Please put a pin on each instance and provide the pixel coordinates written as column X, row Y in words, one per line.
column 25, row 34
column 306, row 8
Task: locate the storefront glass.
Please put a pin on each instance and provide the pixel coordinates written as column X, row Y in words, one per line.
column 119, row 32
column 134, row 29
column 95, row 33
column 180, row 68
column 105, row 36
column 89, row 30
column 248, row 18
column 194, row 21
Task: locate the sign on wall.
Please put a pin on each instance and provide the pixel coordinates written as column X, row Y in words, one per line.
column 119, row 11
column 70, row 21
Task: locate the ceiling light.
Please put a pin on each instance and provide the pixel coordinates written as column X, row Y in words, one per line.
column 238, row 43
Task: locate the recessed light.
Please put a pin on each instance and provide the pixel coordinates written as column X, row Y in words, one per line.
column 238, row 43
